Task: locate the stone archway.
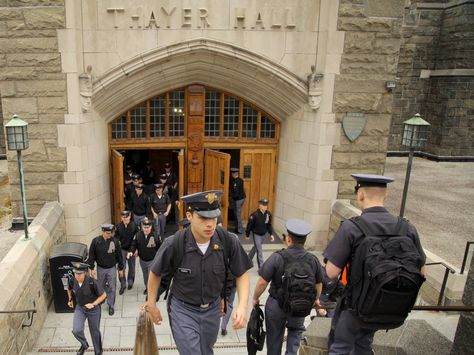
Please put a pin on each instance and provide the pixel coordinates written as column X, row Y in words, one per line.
column 222, row 66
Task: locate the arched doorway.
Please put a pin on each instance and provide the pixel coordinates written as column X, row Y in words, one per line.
column 202, row 132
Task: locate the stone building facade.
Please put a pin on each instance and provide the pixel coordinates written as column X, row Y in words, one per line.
column 70, row 68
column 436, row 76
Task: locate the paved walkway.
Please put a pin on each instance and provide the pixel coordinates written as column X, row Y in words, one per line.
column 439, row 203
column 118, row 331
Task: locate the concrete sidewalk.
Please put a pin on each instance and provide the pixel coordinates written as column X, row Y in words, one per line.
column 118, row 331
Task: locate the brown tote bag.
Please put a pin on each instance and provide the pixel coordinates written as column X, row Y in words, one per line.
column 145, row 338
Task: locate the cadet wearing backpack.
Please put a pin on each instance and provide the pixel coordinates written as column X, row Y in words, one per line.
column 207, row 251
column 296, row 283
column 386, row 269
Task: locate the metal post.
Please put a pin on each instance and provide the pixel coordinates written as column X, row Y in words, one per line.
column 407, row 181
column 23, row 197
column 443, row 287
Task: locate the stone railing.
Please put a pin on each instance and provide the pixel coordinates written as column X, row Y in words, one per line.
column 25, row 280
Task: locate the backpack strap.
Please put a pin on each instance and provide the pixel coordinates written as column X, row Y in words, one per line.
column 362, row 225
column 224, row 239
column 178, row 255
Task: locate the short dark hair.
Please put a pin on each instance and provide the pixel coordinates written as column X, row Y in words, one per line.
column 297, row 241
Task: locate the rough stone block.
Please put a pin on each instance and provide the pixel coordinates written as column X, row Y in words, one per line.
column 35, row 88
column 39, row 131
column 386, row 46
column 372, row 24
column 358, row 83
column 362, row 102
column 15, row 25
column 9, row 13
column 34, row 60
column 28, row 45
column 52, row 104
column 44, row 17
column 352, row 10
column 19, row 106
column 359, row 42
column 55, row 154
column 21, row 3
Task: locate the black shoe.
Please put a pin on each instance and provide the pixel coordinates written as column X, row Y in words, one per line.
column 145, row 292
column 122, row 290
column 82, row 350
column 130, row 287
column 111, row 311
column 223, row 332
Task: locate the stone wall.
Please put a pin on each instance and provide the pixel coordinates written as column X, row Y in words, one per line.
column 371, row 48
column 436, row 70
column 33, row 86
column 25, row 280
column 2, row 136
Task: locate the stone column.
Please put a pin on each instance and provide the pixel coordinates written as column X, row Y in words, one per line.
column 463, row 340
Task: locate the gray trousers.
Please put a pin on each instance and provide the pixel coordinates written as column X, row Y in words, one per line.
column 238, row 215
column 275, row 322
column 230, row 307
column 138, row 220
column 131, row 270
column 194, row 329
column 93, row 320
column 107, row 278
column 347, row 337
column 257, row 247
column 160, row 224
column 146, row 266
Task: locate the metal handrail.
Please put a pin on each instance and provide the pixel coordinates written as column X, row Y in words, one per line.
column 30, row 312
column 466, row 251
column 447, row 270
column 462, row 308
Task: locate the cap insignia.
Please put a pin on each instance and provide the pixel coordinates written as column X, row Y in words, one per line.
column 211, row 197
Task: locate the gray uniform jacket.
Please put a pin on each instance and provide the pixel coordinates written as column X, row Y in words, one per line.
column 200, row 278
column 272, row 269
column 342, row 246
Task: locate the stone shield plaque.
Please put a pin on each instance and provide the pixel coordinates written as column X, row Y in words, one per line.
column 353, row 124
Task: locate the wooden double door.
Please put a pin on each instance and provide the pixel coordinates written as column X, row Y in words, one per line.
column 257, row 169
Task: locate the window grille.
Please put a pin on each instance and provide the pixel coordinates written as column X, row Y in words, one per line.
column 267, row 128
column 212, row 120
column 249, row 122
column 158, row 116
column 119, row 128
column 231, row 117
column 176, row 113
column 138, row 121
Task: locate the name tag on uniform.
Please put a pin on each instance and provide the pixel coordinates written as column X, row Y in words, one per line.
column 184, row 271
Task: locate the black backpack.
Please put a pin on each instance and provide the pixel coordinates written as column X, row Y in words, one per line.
column 297, row 293
column 384, row 277
column 178, row 254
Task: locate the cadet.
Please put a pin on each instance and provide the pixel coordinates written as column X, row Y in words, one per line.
column 160, row 208
column 140, row 204
column 272, row 271
column 172, row 184
column 145, row 244
column 260, row 223
column 105, row 251
column 237, row 196
column 347, row 334
column 88, row 295
column 125, row 232
column 194, row 304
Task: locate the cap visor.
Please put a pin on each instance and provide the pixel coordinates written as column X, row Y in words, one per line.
column 209, row 214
